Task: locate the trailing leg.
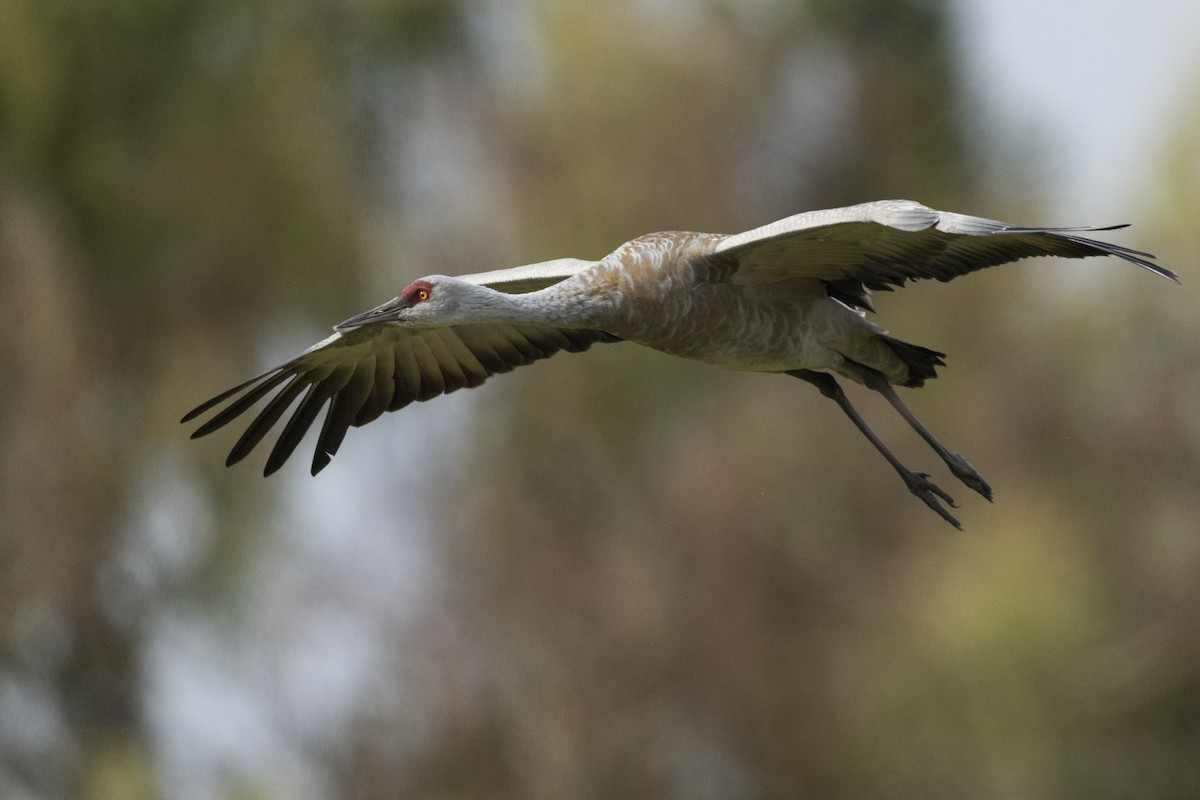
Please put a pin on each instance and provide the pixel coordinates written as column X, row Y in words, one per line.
column 957, row 464
column 918, row 482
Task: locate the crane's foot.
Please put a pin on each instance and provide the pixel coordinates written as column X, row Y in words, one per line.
column 967, row 474
column 931, row 495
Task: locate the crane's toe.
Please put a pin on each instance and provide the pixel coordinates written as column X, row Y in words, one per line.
column 931, row 495
column 967, row 474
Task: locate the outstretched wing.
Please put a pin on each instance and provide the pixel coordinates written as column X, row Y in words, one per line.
column 362, row 372
column 881, row 245
column 529, row 278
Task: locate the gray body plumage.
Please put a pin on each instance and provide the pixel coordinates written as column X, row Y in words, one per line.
column 786, row 297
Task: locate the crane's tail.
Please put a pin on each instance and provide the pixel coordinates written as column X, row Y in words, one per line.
column 921, row 361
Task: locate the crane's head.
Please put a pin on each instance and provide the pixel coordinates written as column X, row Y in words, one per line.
column 430, row 301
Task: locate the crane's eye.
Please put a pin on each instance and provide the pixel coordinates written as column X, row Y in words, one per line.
column 417, row 292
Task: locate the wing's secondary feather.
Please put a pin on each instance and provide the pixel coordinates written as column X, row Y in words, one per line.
column 883, row 244
column 361, row 372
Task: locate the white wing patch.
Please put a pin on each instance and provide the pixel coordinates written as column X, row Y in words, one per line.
column 531, row 277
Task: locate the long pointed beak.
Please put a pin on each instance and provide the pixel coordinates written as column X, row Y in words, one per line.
column 388, row 312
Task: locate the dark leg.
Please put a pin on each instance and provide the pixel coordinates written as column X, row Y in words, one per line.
column 957, row 464
column 918, row 482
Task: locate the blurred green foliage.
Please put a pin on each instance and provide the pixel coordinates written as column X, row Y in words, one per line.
column 647, row 578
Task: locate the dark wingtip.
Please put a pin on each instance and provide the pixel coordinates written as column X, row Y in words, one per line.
column 1139, row 257
column 213, row 424
column 277, row 458
column 1150, row 266
column 205, row 406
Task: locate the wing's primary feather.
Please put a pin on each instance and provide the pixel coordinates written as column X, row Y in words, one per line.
column 881, row 245
column 361, row 372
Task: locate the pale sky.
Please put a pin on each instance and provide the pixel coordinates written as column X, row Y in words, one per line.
column 1100, row 80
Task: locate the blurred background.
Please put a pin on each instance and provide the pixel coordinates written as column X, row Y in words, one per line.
column 613, row 574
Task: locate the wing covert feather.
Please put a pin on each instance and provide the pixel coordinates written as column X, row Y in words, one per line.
column 431, row 381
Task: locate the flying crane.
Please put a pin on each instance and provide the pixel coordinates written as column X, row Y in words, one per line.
column 789, row 297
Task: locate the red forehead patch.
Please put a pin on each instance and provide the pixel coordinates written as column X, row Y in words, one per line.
column 417, row 291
